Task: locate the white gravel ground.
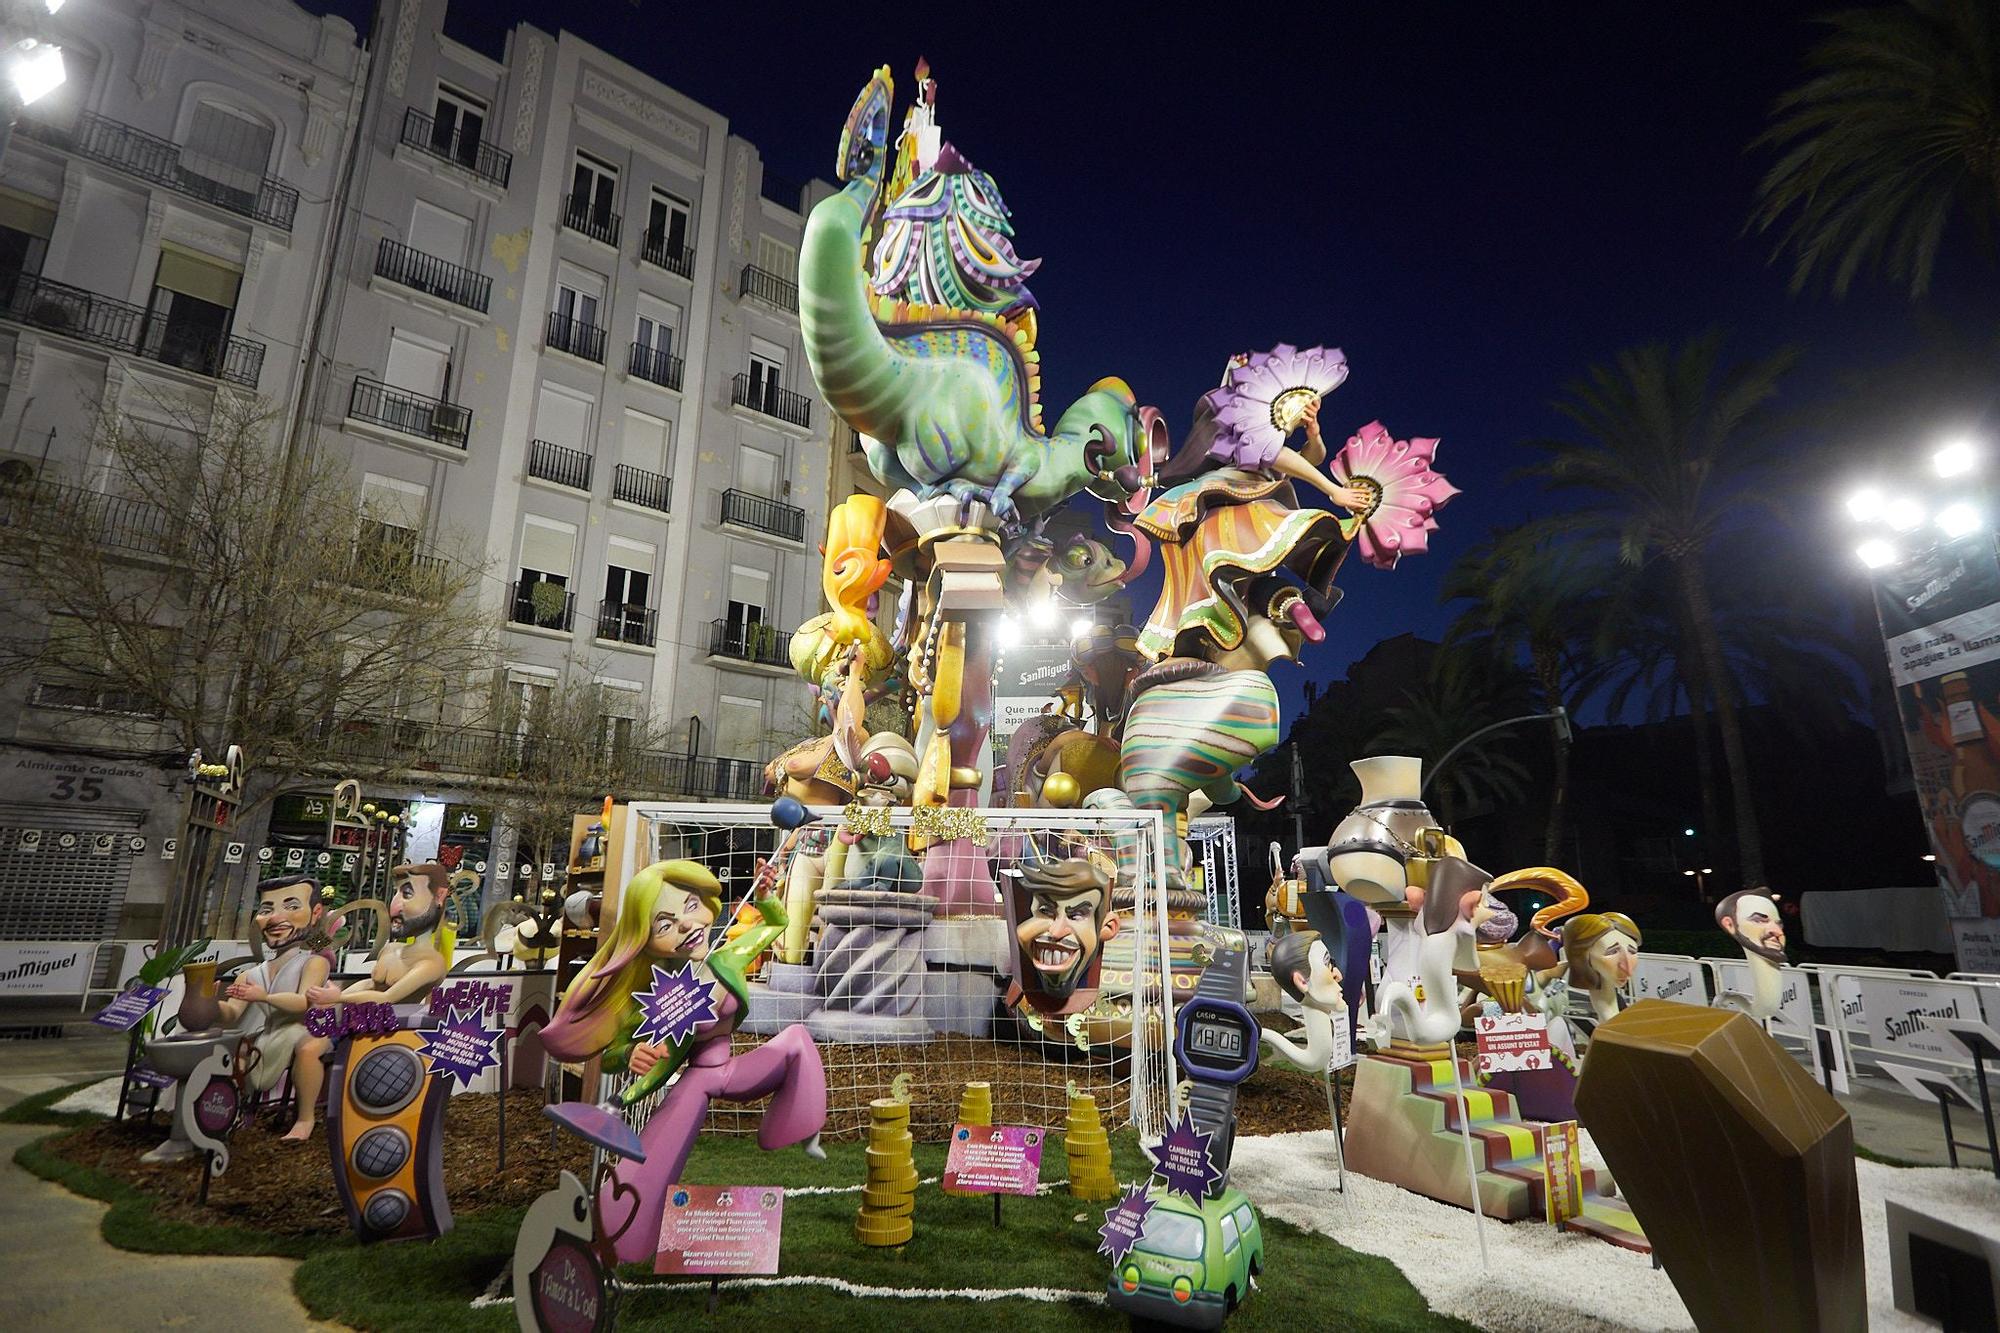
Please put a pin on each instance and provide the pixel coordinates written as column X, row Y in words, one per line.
column 1542, row 1281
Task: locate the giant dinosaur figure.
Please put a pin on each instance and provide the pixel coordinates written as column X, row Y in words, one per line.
column 946, row 400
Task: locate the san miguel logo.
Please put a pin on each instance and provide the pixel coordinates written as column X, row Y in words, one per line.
column 39, row 967
column 1912, row 1021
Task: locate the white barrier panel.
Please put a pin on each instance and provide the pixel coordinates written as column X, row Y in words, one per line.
column 1893, row 1014
column 134, row 954
column 1667, row 977
column 1976, row 942
column 1795, row 1009
column 47, row 968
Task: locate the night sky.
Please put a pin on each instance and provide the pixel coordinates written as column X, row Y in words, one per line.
column 1473, row 202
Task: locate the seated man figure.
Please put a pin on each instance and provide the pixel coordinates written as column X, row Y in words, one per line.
column 270, row 999
column 414, row 960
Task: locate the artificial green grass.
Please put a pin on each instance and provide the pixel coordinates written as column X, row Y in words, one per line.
column 1309, row 1283
column 1883, row 1159
column 39, row 1109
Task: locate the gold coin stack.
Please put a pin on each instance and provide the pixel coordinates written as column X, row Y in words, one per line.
column 889, row 1196
column 975, row 1107
column 1089, row 1150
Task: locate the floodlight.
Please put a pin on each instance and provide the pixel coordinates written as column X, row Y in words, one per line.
column 1956, row 458
column 1864, row 504
column 34, row 69
column 1959, row 519
column 1876, row 554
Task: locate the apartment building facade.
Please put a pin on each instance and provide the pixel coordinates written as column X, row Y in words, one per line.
column 162, row 218
column 560, row 334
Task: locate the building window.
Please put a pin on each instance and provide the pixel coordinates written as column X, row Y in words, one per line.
column 25, row 227
column 648, row 443
column 667, row 220
column 541, row 593
column 230, row 152
column 578, row 295
column 439, row 233
column 416, row 364
column 767, row 375
column 457, row 125
column 749, row 596
column 563, row 417
column 656, row 326
column 739, row 727
column 777, row 258
column 392, row 512
column 187, row 322
column 593, row 190
column 625, row 587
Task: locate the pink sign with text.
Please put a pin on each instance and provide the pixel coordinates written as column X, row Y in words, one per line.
column 707, row 1230
column 994, row 1159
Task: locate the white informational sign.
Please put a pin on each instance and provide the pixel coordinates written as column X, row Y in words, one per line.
column 104, row 844
column 65, row 841
column 1343, row 1045
column 45, row 969
column 505, row 870
column 264, row 855
column 1894, row 1010
column 233, row 853
column 1977, row 942
column 1795, row 1012
column 169, row 847
column 295, row 857
column 136, row 844
column 31, row 840
column 134, row 953
column 1677, row 979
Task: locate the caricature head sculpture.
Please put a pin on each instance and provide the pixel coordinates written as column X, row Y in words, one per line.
column 1751, row 917
column 417, row 906
column 1062, row 914
column 288, row 910
column 663, row 917
column 1306, row 971
column 1601, row 950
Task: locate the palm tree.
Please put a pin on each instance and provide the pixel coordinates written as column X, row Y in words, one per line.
column 1893, row 138
column 1536, row 597
column 1670, row 448
column 1462, row 694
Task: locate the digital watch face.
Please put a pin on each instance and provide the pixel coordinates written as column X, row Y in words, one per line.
column 1217, row 1040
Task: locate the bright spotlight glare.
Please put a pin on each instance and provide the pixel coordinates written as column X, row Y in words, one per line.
column 1008, row 632
column 1081, row 627
column 1904, row 514
column 1043, row 613
column 1876, row 554
column 1958, row 520
column 54, row 6
column 35, row 69
column 1864, row 504
column 1955, row 459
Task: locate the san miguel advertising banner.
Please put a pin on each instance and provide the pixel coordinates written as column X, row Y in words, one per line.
column 1940, row 615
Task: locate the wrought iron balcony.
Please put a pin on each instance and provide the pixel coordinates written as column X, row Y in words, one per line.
column 124, row 327
column 396, row 569
column 65, row 511
column 499, row 753
column 157, row 160
column 563, row 466
column 477, row 156
column 655, row 364
column 766, row 645
column 575, row 337
column 621, row 622
column 640, row 487
column 432, row 276
column 599, row 224
column 771, row 401
column 524, row 608
column 765, row 515
column 412, row 413
column 674, row 259
column 769, row 288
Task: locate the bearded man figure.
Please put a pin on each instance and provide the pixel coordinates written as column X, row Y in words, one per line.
column 270, row 999
column 1062, row 919
column 1752, row 920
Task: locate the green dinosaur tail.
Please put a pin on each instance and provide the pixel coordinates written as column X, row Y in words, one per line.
column 851, row 362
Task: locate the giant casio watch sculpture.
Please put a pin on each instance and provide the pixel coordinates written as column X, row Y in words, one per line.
column 1215, row 1041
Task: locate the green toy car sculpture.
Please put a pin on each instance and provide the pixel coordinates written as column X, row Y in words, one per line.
column 1192, row 1264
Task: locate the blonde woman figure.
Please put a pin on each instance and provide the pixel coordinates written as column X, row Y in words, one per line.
column 1601, row 952
column 664, row 917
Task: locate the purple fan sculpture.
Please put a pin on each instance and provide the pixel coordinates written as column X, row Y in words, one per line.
column 1407, row 492
column 1264, row 399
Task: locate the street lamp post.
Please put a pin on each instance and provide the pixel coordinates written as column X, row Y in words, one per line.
column 31, row 64
column 1700, row 878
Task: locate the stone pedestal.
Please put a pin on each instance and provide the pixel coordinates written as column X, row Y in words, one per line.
column 869, row 965
column 781, row 995
column 966, row 959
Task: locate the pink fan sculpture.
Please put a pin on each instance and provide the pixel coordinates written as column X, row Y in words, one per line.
column 1407, row 491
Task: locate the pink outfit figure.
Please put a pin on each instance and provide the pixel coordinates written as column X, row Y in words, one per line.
column 788, row 1065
